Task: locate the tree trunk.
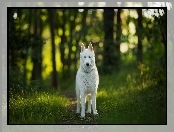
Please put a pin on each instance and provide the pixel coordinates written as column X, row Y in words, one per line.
column 26, row 50
column 74, row 13
column 52, row 29
column 109, row 58
column 11, row 30
column 139, row 53
column 164, row 35
column 118, row 37
column 79, row 35
column 36, row 53
column 62, row 45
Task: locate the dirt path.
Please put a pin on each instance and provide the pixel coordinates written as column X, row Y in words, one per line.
column 75, row 118
column 72, row 98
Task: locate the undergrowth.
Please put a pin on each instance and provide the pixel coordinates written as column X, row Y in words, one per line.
column 136, row 96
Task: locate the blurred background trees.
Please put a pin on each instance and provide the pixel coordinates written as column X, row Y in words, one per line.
column 44, row 44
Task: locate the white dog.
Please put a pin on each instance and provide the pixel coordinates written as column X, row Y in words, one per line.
column 87, row 80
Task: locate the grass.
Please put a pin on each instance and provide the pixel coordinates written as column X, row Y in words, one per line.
column 132, row 99
column 128, row 106
column 136, row 96
column 40, row 108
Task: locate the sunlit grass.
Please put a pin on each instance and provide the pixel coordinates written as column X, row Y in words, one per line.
column 39, row 108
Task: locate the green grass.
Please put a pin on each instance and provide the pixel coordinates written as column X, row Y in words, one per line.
column 39, row 108
column 136, row 96
column 132, row 105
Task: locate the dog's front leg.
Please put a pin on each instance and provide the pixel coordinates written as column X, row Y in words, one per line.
column 83, row 100
column 94, row 103
column 78, row 104
column 89, row 104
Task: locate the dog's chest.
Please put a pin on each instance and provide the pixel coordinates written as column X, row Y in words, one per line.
column 89, row 80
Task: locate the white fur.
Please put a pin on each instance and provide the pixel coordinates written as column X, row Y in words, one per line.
column 87, row 80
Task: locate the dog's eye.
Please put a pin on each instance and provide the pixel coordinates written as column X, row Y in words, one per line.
column 84, row 56
column 89, row 56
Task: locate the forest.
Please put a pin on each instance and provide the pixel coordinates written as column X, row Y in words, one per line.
column 130, row 48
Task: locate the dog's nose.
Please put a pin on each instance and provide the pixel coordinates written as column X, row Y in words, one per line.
column 87, row 64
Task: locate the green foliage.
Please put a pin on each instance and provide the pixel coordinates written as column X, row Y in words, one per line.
column 19, row 86
column 21, row 40
column 16, row 82
column 73, row 27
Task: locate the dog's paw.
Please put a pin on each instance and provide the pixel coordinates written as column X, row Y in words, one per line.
column 95, row 112
column 82, row 117
column 88, row 111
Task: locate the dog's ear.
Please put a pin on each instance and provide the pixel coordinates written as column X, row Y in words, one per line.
column 82, row 47
column 90, row 47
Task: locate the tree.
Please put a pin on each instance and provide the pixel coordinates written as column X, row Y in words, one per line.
column 51, row 14
column 162, row 22
column 81, row 34
column 118, row 37
column 63, row 40
column 73, row 13
column 12, row 42
column 37, row 49
column 28, row 34
column 109, row 57
column 139, row 52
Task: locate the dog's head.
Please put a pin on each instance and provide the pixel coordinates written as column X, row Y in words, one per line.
column 87, row 57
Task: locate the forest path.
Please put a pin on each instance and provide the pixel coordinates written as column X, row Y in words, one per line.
column 72, row 98
column 75, row 118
